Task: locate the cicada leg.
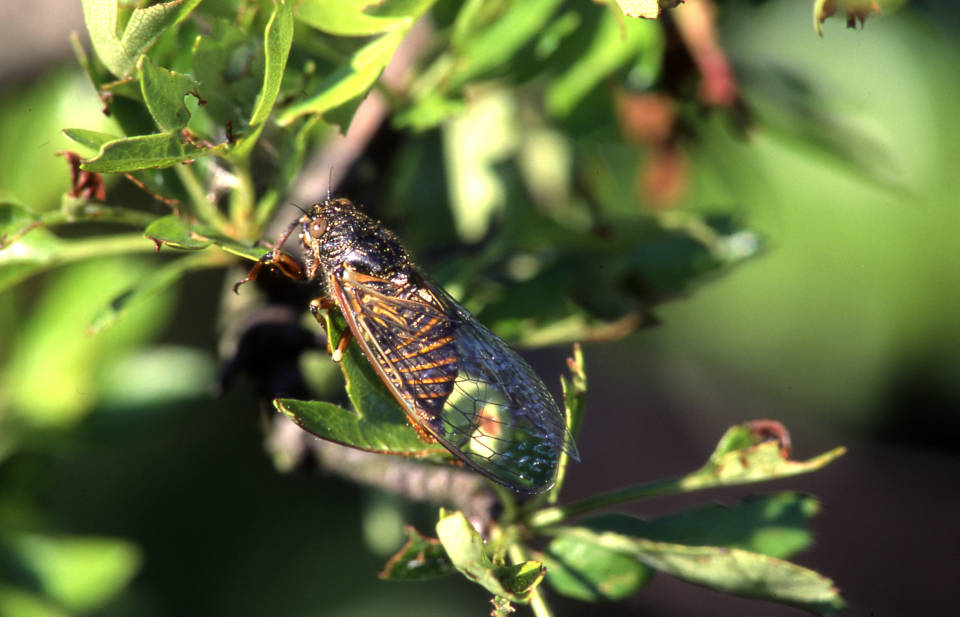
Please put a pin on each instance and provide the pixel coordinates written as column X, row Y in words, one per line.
column 324, row 303
column 345, row 337
column 286, row 264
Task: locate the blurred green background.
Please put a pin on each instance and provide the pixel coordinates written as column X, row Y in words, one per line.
column 844, row 327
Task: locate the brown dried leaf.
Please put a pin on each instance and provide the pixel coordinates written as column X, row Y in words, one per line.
column 647, row 9
column 84, row 184
column 855, row 10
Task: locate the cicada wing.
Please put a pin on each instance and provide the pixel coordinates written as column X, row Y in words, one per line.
column 464, row 385
column 501, row 416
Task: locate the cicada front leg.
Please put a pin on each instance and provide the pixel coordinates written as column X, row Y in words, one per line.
column 286, row 264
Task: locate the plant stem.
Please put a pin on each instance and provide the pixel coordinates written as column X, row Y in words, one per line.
column 103, row 246
column 289, row 169
column 98, row 213
column 710, row 475
column 431, row 79
column 557, row 514
column 92, row 213
column 75, row 250
column 406, row 478
column 508, row 502
column 241, row 200
column 539, row 604
column 205, row 211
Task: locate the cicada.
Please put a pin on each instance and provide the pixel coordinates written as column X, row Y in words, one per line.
column 458, row 383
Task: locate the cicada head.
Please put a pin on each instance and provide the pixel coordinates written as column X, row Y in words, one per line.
column 335, row 234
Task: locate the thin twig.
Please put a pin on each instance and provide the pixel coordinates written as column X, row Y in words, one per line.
column 407, row 478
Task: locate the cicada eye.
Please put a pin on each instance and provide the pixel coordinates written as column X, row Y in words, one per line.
column 318, row 228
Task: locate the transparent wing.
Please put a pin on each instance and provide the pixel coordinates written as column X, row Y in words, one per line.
column 460, row 382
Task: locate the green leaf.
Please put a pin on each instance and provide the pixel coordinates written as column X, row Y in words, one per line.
column 348, row 82
column 465, row 548
column 50, row 378
column 492, row 47
column 520, row 579
column 14, row 218
column 475, row 142
column 574, row 404
column 15, row 601
column 428, row 112
column 229, row 65
column 120, row 52
column 150, row 285
column 420, row 559
column 278, row 37
column 465, row 22
column 735, row 438
column 774, row 525
column 28, row 256
column 277, row 40
column 91, row 139
column 796, row 120
column 176, row 232
column 730, row 570
column 163, row 93
column 580, row 568
column 41, row 250
column 155, row 377
column 615, row 43
column 81, row 574
column 557, row 33
column 577, row 285
column 742, row 456
column 148, row 151
column 361, row 17
column 348, row 428
column 252, row 253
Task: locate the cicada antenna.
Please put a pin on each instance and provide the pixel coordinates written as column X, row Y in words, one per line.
column 298, row 207
column 290, row 228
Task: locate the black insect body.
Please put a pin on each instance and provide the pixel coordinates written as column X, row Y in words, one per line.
column 458, row 383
